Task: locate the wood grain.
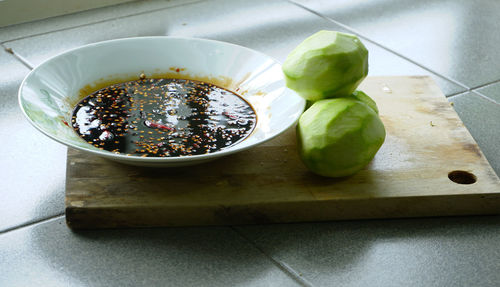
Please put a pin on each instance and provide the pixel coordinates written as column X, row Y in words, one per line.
column 269, row 184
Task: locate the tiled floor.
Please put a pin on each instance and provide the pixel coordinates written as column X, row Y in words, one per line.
column 453, row 41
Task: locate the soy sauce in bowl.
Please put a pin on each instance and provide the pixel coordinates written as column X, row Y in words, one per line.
column 163, row 118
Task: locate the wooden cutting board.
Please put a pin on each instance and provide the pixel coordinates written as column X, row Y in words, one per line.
column 426, row 144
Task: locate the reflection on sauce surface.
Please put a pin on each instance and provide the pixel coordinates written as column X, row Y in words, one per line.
column 163, row 118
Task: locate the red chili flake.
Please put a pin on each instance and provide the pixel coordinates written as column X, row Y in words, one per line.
column 65, row 122
column 150, row 124
column 233, row 117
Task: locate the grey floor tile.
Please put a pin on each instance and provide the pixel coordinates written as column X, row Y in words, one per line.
column 452, row 38
column 273, row 27
column 86, row 17
column 411, row 252
column 32, row 166
column 52, row 255
column 481, row 117
column 491, row 91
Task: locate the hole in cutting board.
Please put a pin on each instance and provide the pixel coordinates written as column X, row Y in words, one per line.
column 462, row 177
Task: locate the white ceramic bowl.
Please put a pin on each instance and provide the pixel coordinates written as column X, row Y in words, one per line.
column 48, row 94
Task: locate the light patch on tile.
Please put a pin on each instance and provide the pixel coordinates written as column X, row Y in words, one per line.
column 272, row 27
column 33, row 166
column 24, row 30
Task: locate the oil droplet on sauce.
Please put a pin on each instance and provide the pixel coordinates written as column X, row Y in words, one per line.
column 163, row 118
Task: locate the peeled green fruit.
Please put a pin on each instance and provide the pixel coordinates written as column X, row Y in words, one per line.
column 325, row 65
column 338, row 137
column 362, row 97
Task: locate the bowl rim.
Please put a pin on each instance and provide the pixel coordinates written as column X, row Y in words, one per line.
column 123, row 157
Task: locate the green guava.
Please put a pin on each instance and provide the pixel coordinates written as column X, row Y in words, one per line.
column 325, row 65
column 338, row 137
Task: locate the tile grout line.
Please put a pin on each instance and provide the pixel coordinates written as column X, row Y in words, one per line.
column 455, row 94
column 281, row 265
column 361, row 35
column 475, row 93
column 32, row 223
column 100, row 21
column 486, row 84
column 484, row 97
column 449, row 97
column 18, row 57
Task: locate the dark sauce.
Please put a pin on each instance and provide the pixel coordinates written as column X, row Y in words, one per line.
column 163, row 118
